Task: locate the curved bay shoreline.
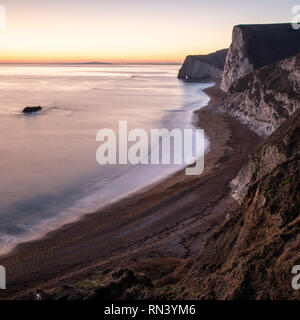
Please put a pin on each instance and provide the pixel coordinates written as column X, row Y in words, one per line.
column 171, row 219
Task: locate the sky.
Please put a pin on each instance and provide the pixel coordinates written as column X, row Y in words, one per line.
column 127, row 30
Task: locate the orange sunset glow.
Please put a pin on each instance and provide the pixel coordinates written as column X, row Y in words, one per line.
column 105, row 31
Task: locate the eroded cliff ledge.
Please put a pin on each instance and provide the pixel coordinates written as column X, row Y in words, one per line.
column 255, row 46
column 266, row 97
column 203, row 67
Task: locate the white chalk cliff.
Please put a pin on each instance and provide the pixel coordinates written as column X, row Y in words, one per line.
column 266, row 97
column 255, row 46
column 203, row 67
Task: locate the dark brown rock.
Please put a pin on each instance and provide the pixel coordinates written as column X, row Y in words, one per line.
column 32, row 109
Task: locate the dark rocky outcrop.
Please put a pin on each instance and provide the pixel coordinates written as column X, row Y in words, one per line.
column 203, row 67
column 32, row 109
column 265, row 98
column 120, row 284
column 255, row 46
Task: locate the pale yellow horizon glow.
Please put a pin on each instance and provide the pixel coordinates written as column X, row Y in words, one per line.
column 115, row 31
column 48, row 35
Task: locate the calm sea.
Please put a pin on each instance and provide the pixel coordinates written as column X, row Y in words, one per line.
column 48, row 169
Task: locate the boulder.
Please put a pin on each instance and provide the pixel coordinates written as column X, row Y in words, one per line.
column 32, row 109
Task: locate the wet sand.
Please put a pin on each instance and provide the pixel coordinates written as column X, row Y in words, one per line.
column 170, row 219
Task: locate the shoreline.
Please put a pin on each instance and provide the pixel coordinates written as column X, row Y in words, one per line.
column 66, row 216
column 170, row 219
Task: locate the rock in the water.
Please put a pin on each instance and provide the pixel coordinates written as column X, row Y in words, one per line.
column 32, row 109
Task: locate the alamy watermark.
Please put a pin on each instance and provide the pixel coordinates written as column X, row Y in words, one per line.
column 2, row 278
column 174, row 146
column 296, row 18
column 296, row 278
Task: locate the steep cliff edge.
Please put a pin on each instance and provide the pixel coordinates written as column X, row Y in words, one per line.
column 251, row 256
column 266, row 97
column 255, row 46
column 203, row 67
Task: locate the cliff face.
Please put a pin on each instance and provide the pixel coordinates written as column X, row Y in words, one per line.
column 203, row 67
column 255, row 46
column 266, row 97
column 252, row 254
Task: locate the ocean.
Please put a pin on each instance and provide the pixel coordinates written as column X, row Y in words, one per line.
column 48, row 168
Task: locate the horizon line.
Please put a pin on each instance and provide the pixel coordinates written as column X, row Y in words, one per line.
column 100, row 63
